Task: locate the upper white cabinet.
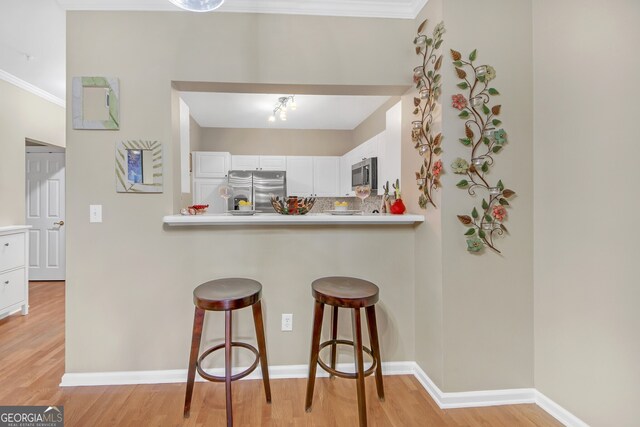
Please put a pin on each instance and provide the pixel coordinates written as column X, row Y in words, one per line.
column 263, row 163
column 389, row 156
column 300, row 176
column 326, row 176
column 273, row 163
column 245, row 163
column 209, row 164
column 346, row 162
column 309, row 176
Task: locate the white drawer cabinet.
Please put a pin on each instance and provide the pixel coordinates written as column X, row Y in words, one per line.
column 14, row 275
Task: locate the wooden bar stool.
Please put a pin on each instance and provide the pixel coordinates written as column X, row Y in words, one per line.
column 346, row 292
column 226, row 295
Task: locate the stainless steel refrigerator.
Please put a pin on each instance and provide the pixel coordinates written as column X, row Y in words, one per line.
column 256, row 187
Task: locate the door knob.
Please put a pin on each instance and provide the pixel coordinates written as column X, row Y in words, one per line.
column 61, row 223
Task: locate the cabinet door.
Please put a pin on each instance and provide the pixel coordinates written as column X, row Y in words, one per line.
column 326, row 176
column 245, row 163
column 345, row 176
column 210, row 164
column 205, row 192
column 370, row 148
column 299, row 176
column 389, row 157
column 273, row 163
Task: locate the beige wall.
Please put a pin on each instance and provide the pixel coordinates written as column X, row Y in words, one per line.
column 428, row 298
column 22, row 115
column 475, row 313
column 289, row 142
column 129, row 301
column 586, row 152
column 374, row 124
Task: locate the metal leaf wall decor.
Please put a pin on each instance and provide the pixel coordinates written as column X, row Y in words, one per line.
column 485, row 138
column 428, row 82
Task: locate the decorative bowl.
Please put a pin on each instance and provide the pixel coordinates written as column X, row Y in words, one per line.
column 199, row 209
column 248, row 207
column 292, row 205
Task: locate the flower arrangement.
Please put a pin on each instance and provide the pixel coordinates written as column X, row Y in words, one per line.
column 428, row 82
column 485, row 138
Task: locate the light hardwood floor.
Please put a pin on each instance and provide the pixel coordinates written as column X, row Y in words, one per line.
column 32, row 363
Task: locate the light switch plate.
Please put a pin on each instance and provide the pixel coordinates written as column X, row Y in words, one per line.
column 95, row 213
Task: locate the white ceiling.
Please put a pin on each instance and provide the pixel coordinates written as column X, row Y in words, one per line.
column 32, row 32
column 250, row 110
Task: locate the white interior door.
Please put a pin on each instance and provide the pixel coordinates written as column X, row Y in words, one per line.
column 45, row 213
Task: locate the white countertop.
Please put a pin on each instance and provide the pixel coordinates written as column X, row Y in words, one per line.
column 277, row 219
column 9, row 228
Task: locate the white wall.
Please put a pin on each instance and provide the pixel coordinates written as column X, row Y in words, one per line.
column 586, row 198
column 22, row 115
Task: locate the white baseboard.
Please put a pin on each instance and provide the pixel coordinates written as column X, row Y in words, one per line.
column 445, row 400
column 470, row 399
column 180, row 375
column 558, row 412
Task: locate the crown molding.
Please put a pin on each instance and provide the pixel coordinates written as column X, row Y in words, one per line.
column 10, row 78
column 354, row 8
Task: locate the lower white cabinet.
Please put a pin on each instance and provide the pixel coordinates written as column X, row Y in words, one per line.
column 205, row 192
column 14, row 271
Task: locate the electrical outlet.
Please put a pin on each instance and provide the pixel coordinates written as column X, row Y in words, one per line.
column 95, row 213
column 287, row 322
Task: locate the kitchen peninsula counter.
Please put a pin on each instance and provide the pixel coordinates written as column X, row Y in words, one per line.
column 277, row 219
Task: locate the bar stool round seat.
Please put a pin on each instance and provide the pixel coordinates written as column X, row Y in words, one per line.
column 346, row 292
column 226, row 295
column 354, row 294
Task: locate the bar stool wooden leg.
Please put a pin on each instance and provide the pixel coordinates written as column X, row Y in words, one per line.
column 375, row 348
column 198, row 320
column 318, row 312
column 227, row 365
column 357, row 345
column 334, row 336
column 262, row 348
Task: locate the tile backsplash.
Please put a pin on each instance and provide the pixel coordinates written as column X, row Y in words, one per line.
column 370, row 204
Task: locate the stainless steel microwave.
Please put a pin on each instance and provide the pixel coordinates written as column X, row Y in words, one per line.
column 365, row 173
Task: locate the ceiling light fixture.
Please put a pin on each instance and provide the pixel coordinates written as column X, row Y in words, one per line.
column 281, row 108
column 198, row 5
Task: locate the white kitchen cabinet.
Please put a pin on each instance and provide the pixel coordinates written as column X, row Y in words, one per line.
column 205, row 192
column 345, row 176
column 273, row 163
column 255, row 163
column 389, row 162
column 245, row 163
column 326, row 176
column 313, row 176
column 14, row 271
column 299, row 176
column 209, row 164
